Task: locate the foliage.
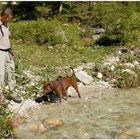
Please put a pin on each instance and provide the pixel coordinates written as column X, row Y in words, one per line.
column 40, row 32
column 120, row 19
column 6, row 129
column 128, row 57
column 126, row 80
column 44, row 32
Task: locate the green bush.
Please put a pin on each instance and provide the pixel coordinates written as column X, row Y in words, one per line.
column 40, row 32
column 120, row 19
column 43, row 32
column 126, row 80
column 6, row 129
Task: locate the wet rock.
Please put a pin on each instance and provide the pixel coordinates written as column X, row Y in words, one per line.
column 84, row 77
column 52, row 123
column 23, row 107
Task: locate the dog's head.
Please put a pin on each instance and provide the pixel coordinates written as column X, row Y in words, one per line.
column 46, row 88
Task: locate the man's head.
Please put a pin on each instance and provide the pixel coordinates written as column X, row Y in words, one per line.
column 6, row 15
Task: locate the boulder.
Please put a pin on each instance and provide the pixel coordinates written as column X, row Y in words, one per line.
column 84, row 77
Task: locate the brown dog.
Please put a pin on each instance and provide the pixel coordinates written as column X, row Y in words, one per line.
column 60, row 86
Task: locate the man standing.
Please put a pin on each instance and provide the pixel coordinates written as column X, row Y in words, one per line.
column 7, row 66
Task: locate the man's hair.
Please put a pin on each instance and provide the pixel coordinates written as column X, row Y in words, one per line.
column 6, row 11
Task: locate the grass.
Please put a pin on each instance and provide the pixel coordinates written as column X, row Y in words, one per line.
column 27, row 55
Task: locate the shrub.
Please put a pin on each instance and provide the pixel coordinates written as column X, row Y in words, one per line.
column 40, row 32
column 44, row 32
column 126, row 80
column 128, row 57
column 6, row 130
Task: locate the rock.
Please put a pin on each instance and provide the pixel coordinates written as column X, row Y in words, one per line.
column 130, row 72
column 112, row 67
column 134, row 51
column 99, row 75
column 100, row 30
column 129, row 65
column 53, row 122
column 123, row 50
column 136, row 63
column 90, row 65
column 95, row 37
column 103, row 84
column 84, row 77
column 36, row 127
column 138, row 59
column 111, row 60
column 22, row 108
column 80, row 68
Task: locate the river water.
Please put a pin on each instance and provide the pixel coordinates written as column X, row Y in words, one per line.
column 109, row 113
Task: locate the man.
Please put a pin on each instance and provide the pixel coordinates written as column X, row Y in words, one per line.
column 7, row 66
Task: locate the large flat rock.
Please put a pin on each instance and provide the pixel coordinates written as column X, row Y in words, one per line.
column 84, row 77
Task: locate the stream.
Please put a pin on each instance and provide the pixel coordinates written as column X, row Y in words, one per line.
column 100, row 113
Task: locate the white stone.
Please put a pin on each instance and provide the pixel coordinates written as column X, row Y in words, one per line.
column 84, row 77
column 89, row 65
column 130, row 65
column 95, row 37
column 99, row 75
column 112, row 67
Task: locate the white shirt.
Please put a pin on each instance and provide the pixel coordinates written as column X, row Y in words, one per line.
column 4, row 40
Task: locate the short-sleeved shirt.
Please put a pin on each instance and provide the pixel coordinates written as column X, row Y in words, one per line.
column 4, row 37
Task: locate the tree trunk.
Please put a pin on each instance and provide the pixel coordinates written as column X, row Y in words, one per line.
column 60, row 7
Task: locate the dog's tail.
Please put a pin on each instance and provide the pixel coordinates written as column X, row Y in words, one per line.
column 73, row 73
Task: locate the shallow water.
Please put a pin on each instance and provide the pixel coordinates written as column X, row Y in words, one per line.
column 112, row 114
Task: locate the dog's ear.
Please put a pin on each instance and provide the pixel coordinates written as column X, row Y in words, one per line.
column 47, row 85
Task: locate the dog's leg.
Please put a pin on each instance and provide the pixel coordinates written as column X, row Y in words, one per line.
column 60, row 96
column 66, row 95
column 74, row 85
